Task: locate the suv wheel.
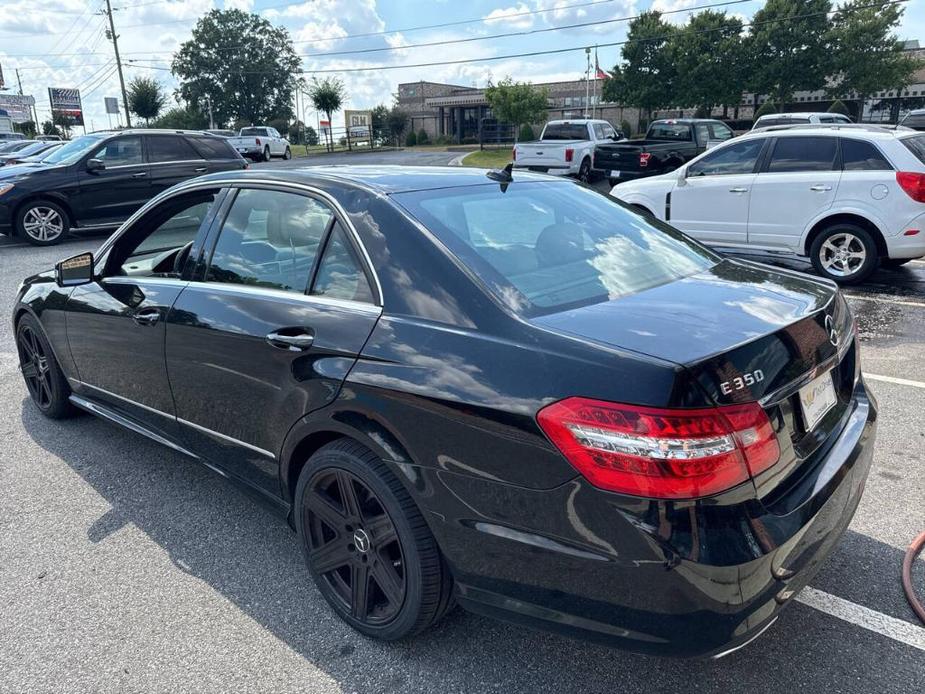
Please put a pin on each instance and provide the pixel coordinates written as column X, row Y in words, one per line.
column 845, row 253
column 266, row 153
column 42, row 223
column 287, row 154
column 367, row 546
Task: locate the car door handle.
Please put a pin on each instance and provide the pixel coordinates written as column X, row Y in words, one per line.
column 738, row 190
column 201, row 169
column 820, row 189
column 294, row 343
column 147, row 316
column 140, row 174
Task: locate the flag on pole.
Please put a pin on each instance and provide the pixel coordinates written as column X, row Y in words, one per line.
column 598, row 73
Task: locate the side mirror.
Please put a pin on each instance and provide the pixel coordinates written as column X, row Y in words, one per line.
column 75, row 270
column 95, row 165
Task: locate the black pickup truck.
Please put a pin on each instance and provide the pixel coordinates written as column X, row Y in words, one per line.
column 668, row 144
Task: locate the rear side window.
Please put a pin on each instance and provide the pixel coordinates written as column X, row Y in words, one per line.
column 738, row 158
column 163, row 148
column 270, row 239
column 547, row 247
column 565, row 131
column 213, row 148
column 718, row 131
column 916, row 145
column 794, row 154
column 340, row 274
column 857, row 155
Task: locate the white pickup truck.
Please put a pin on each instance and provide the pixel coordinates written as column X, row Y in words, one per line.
column 260, row 143
column 566, row 147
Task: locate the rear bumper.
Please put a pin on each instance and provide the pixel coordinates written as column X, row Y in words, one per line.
column 551, row 170
column 671, row 578
column 902, row 246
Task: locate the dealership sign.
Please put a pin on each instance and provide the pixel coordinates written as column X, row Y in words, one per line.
column 19, row 106
column 66, row 102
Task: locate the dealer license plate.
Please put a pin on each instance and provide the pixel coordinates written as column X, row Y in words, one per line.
column 816, row 398
column 615, row 174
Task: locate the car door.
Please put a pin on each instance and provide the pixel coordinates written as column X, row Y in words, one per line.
column 110, row 194
column 798, row 181
column 277, row 146
column 254, row 343
column 116, row 324
column 711, row 198
column 172, row 160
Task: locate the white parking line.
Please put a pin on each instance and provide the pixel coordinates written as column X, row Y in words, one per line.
column 893, row 379
column 877, row 622
column 879, row 299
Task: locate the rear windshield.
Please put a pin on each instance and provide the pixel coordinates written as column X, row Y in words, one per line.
column 543, row 247
column 669, row 131
column 253, row 131
column 566, row 131
column 916, row 145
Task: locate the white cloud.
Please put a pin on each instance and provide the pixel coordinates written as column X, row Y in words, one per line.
column 511, row 17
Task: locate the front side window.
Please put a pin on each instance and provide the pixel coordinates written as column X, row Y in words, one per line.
column 546, row 247
column 703, row 132
column 122, row 151
column 738, row 158
column 795, row 154
column 270, row 239
column 156, row 245
column 857, row 155
column 163, row 148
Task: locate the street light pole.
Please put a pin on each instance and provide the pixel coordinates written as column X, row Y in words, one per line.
column 115, row 46
column 587, row 78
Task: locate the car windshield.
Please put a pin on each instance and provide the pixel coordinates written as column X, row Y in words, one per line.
column 74, row 150
column 543, row 247
column 669, row 131
column 565, row 131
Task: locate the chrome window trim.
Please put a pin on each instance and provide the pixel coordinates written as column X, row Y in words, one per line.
column 270, row 292
column 130, row 279
column 194, row 185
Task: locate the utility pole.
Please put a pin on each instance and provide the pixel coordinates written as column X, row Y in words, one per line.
column 211, row 119
column 587, row 78
column 35, row 114
column 115, row 45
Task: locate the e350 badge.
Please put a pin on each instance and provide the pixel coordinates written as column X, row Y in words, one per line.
column 742, row 382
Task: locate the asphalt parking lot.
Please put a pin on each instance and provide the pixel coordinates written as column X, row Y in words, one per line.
column 125, row 567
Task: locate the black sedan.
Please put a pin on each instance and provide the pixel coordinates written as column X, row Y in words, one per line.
column 98, row 180
column 517, row 395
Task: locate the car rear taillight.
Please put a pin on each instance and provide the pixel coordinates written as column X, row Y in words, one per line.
column 569, row 155
column 661, row 454
column 258, row 140
column 644, row 159
column 913, row 183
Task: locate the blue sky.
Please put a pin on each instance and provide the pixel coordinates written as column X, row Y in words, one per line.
column 61, row 43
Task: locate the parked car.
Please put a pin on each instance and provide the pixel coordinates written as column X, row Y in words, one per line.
column 511, row 392
column 915, row 119
column 850, row 198
column 48, row 138
column 30, row 149
column 667, row 145
column 11, row 146
column 261, row 144
column 802, row 118
column 97, row 181
column 223, row 133
column 44, row 154
column 565, row 147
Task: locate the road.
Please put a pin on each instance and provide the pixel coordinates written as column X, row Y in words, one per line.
column 124, row 567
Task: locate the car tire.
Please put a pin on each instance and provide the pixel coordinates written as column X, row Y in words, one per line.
column 845, row 253
column 892, row 263
column 287, row 155
column 584, row 171
column 42, row 223
column 48, row 388
column 359, row 527
column 266, row 153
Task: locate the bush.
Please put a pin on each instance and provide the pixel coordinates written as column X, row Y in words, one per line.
column 626, row 128
column 443, row 140
column 423, row 138
column 838, row 106
column 766, row 109
column 526, row 133
column 311, row 136
column 411, row 139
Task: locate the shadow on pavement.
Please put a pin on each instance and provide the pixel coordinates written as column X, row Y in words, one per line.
column 250, row 556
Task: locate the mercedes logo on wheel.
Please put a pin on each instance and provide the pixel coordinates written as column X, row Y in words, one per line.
column 361, row 540
column 831, row 330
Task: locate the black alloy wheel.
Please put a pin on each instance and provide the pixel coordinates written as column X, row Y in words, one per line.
column 367, row 545
column 584, row 171
column 45, row 382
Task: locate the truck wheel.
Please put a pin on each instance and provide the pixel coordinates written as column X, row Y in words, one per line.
column 266, row 153
column 584, row 171
column 287, row 154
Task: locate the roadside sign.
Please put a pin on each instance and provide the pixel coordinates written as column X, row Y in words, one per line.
column 19, row 106
column 358, row 123
column 112, row 104
column 66, row 102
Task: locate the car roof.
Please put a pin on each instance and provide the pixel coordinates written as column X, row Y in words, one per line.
column 381, row 179
column 149, row 131
column 866, row 130
column 801, row 114
column 687, row 121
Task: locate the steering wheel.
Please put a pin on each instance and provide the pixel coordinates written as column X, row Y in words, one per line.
column 180, row 259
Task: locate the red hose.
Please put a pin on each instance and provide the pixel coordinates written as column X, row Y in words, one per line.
column 918, row 544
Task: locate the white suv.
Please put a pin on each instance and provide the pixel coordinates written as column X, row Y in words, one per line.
column 849, row 197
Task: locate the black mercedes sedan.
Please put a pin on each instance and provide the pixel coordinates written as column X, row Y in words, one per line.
column 507, row 392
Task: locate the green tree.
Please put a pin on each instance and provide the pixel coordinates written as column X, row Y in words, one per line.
column 397, row 122
column 27, row 128
column 766, row 109
column 867, row 55
column 379, row 117
column 281, row 124
column 63, row 122
column 788, row 48
column 49, row 128
column 411, row 139
column 242, row 63
column 526, row 133
column 707, row 54
column 517, row 103
column 838, row 106
column 423, row 137
column 614, row 88
column 311, row 136
column 146, row 98
column 182, row 119
column 648, row 67
column 327, row 95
